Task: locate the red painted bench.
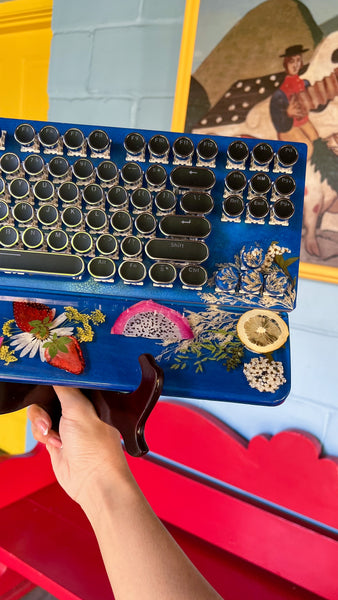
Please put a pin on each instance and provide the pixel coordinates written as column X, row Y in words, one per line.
column 246, row 547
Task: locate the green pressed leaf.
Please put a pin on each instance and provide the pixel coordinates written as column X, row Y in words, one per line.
column 290, row 261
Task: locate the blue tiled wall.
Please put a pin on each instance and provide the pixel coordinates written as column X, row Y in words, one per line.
column 114, row 63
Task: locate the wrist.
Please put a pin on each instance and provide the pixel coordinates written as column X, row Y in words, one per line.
column 111, row 486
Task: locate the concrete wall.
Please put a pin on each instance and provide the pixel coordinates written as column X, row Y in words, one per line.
column 114, row 63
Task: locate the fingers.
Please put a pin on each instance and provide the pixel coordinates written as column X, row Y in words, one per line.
column 41, row 422
column 41, row 427
column 73, row 403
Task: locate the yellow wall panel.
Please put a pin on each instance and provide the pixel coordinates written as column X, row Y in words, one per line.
column 25, row 38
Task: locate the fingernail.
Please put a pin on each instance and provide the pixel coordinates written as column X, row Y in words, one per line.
column 43, row 426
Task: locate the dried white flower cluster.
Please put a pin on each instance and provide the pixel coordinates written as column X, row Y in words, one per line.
column 264, row 375
column 273, row 250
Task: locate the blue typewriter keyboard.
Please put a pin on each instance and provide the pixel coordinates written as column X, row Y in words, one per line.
column 141, row 208
column 104, row 217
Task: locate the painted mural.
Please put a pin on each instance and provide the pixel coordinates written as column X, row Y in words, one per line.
column 274, row 74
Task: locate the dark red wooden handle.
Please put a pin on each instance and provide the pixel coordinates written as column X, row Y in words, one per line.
column 128, row 412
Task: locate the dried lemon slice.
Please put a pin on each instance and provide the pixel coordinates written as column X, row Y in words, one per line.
column 262, row 330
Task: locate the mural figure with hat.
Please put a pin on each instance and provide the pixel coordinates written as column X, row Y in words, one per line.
column 291, row 121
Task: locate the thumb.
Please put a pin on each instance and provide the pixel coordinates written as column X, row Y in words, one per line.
column 74, row 404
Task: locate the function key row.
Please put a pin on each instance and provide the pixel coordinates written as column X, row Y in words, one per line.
column 158, row 148
column 99, row 143
column 261, row 157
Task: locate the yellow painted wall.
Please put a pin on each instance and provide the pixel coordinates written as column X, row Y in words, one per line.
column 25, row 38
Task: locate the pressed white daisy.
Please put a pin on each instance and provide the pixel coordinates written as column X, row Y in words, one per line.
column 31, row 342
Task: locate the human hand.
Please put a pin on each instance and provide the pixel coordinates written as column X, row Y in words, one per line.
column 87, row 452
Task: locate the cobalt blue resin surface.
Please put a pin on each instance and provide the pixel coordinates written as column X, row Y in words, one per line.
column 115, row 243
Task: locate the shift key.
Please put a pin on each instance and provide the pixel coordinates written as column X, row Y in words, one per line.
column 181, row 251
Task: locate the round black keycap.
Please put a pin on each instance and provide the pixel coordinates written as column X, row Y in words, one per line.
column 57, row 240
column 162, row 273
column 262, row 153
column 165, row 201
column 96, row 219
column 2, row 186
column 285, row 185
column 9, row 163
column 83, row 168
column 134, row 143
column 68, row 192
column 82, row 242
column 258, row 207
column 283, row 209
column 260, row 183
column 107, row 171
column 158, row 146
column 58, row 166
column 47, row 214
column 233, row 206
column 197, row 202
column 183, row 148
column 235, row 181
column 121, row 221
column 73, row 138
column 156, row 175
column 132, row 173
column 72, row 216
column 98, row 140
column 141, row 199
column 32, row 237
column 117, row 197
column 207, row 149
column 49, row 136
column 145, row 223
column 106, row 244
column 131, row 246
column 23, row 212
column 287, row 155
column 8, row 236
column 19, row 188
column 33, row 164
column 238, row 151
column 24, row 134
column 3, row 210
column 93, row 194
column 101, row 267
column 44, row 190
column 132, row 271
column 193, row 276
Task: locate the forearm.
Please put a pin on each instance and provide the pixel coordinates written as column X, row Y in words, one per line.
column 141, row 558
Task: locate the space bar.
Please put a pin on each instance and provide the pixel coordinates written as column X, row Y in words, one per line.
column 41, row 263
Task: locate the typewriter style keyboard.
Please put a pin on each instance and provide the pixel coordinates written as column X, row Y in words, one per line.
column 116, row 243
column 98, row 208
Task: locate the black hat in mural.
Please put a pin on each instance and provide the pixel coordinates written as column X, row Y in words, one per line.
column 293, row 50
